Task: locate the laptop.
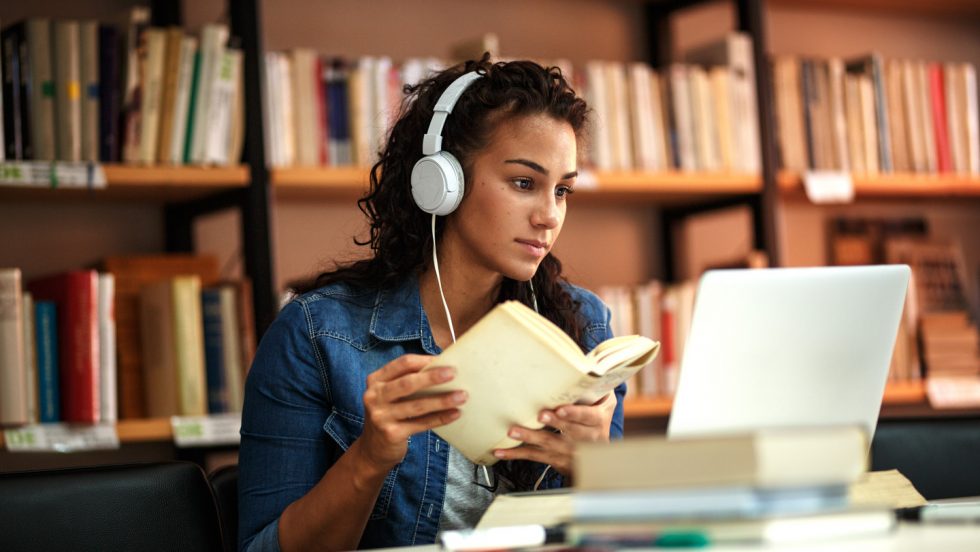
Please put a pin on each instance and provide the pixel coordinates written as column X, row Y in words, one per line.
column 788, row 347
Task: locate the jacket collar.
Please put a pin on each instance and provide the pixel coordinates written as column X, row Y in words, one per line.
column 398, row 315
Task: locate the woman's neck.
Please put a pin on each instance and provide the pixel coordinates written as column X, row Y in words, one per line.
column 469, row 294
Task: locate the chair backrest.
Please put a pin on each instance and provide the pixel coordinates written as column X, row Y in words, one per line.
column 224, row 484
column 147, row 507
column 939, row 456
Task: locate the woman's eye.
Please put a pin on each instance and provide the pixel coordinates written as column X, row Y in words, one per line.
column 523, row 183
column 564, row 191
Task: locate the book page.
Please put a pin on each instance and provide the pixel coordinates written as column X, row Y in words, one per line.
column 885, row 488
column 545, row 508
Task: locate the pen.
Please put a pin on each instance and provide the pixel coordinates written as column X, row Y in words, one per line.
column 668, row 539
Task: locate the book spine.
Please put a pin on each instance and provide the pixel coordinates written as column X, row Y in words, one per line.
column 13, row 404
column 12, row 122
column 109, row 93
column 46, row 338
column 42, row 89
column 68, row 95
column 30, row 358
column 937, row 97
column 182, row 100
column 214, row 353
column 189, row 346
column 192, row 107
column 108, row 405
column 88, row 36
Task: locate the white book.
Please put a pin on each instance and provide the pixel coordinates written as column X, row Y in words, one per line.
column 108, row 404
column 838, row 118
column 855, row 125
column 381, row 110
column 269, row 109
column 13, row 385
column 220, row 107
column 88, row 35
column 185, row 75
column 284, row 99
column 703, row 120
column 729, row 149
column 925, row 114
column 680, row 93
column 213, row 40
column 913, row 117
column 231, row 348
column 156, row 49
column 869, row 124
column 660, row 139
column 30, row 359
column 622, row 148
column 953, row 88
column 601, row 146
column 972, row 119
column 645, row 152
column 305, row 123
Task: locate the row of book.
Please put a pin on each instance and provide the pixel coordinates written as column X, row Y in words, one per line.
column 700, row 116
column 80, row 90
column 141, row 338
column 871, row 115
column 937, row 343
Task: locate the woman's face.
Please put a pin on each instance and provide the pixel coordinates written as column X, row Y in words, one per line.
column 515, row 201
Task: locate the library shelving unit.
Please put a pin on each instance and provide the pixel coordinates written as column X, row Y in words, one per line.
column 187, row 193
column 898, row 186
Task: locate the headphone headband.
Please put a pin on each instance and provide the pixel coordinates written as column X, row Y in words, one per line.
column 432, row 141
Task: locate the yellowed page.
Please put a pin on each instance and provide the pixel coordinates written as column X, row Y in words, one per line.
column 885, row 488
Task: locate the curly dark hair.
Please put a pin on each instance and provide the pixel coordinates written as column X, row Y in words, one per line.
column 400, row 231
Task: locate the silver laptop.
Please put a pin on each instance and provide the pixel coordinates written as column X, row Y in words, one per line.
column 788, row 347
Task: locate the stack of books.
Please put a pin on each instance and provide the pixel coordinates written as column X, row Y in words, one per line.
column 770, row 487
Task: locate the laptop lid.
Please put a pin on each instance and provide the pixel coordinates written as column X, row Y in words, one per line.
column 788, row 347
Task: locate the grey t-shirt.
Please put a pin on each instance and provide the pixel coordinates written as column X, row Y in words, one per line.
column 466, row 501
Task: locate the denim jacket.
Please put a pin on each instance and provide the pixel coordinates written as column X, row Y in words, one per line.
column 303, row 409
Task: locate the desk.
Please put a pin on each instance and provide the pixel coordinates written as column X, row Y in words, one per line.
column 909, row 537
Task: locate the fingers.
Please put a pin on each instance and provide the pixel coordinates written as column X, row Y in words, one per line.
column 541, row 446
column 410, row 383
column 416, row 408
column 402, row 365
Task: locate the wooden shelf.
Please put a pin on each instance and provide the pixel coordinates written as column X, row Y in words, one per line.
column 143, row 183
column 898, row 398
column 932, row 7
column 666, row 188
column 897, row 186
column 145, row 430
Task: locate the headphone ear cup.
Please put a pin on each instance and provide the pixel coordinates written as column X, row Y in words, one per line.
column 437, row 183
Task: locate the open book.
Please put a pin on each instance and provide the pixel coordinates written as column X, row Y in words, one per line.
column 514, row 363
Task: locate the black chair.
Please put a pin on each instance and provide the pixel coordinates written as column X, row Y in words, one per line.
column 146, row 507
column 224, row 484
column 939, row 456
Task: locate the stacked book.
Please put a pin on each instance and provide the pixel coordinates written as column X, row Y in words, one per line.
column 768, row 487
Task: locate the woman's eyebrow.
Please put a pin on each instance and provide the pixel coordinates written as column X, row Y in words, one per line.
column 538, row 168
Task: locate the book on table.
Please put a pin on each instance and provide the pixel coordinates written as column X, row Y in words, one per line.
column 514, row 363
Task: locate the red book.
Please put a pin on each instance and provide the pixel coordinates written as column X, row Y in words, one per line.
column 937, row 95
column 75, row 295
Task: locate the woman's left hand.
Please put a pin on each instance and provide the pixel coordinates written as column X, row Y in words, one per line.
column 575, row 424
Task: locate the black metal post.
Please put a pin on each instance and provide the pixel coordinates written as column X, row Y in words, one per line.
column 256, row 207
column 751, row 19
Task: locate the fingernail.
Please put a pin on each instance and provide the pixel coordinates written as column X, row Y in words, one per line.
column 546, row 418
column 498, row 453
column 459, row 397
column 515, row 433
column 445, row 373
column 561, row 412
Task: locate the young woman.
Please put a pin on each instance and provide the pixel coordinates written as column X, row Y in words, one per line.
column 334, row 453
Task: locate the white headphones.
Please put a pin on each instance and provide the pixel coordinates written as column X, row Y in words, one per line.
column 437, row 178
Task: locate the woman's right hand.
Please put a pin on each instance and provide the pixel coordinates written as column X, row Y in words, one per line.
column 391, row 417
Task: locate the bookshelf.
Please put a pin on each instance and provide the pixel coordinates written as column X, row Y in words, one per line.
column 898, row 186
column 147, row 184
column 346, row 183
column 257, row 190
